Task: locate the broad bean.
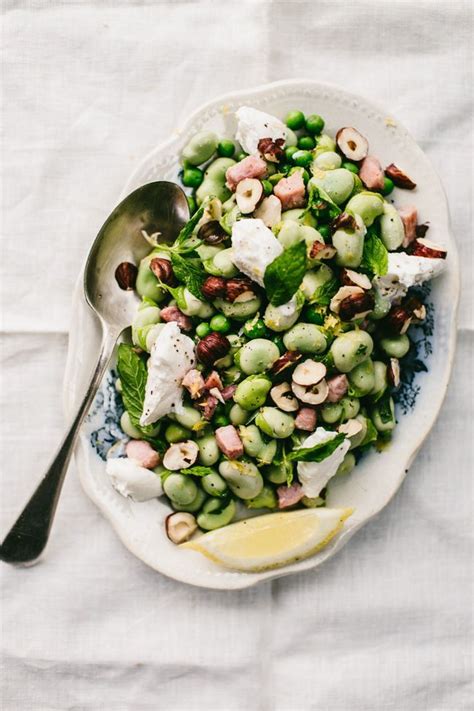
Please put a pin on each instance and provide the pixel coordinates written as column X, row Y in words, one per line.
column 237, row 415
column 350, row 244
column 147, row 285
column 239, row 310
column 252, row 392
column 327, row 160
column 281, row 318
column 214, row 485
column 315, row 278
column 266, row 499
column 276, row 473
column 275, row 422
column 380, row 379
column 192, row 306
column 392, row 231
column 128, row 427
column 214, row 516
column 268, row 453
column 362, row 377
column 252, row 440
column 257, row 356
column 383, row 422
column 337, row 183
column 214, row 181
column 347, row 465
column 181, row 489
column 306, row 338
column 366, row 204
column 299, row 215
column 381, row 306
column 395, row 346
column 350, row 349
column 200, row 148
column 189, row 418
column 350, row 407
column 208, row 450
column 195, row 504
column 176, row 433
column 331, row 412
column 243, row 478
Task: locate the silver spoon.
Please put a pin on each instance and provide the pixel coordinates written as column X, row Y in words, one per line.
column 156, row 207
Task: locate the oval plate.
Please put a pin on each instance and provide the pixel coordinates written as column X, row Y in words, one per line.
column 371, row 486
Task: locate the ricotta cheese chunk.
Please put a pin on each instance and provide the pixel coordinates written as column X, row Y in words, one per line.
column 412, row 270
column 254, row 247
column 132, row 480
column 171, row 357
column 315, row 475
column 253, row 125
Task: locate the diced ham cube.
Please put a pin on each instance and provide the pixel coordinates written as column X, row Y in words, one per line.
column 213, row 381
column 338, row 386
column 409, row 217
column 142, row 453
column 289, row 495
column 306, row 419
column 249, row 167
column 229, row 442
column 291, row 191
column 172, row 313
column 194, row 383
column 371, row 173
column 209, row 407
column 228, row 392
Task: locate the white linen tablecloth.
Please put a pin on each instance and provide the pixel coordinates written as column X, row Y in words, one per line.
column 88, row 88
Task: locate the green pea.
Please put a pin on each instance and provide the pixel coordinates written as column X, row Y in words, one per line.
column 395, row 346
column 252, row 392
column 203, row 329
column 295, row 120
column 382, row 422
column 240, row 156
column 214, row 516
column 266, row 499
column 237, row 415
column 192, row 204
column 388, row 186
column 324, row 231
column 331, row 412
column 392, row 232
column 306, row 143
column 362, row 377
column 226, row 148
column 347, row 465
column 192, row 177
column 290, row 152
column 214, row 485
column 267, row 187
column 128, row 427
column 276, row 473
column 305, row 338
column 220, row 324
column 181, row 489
column 256, row 328
column 189, row 418
column 304, row 173
column 200, row 148
column 243, row 478
column 278, row 341
column 275, row 423
column 314, row 314
column 350, row 349
column 353, row 167
column 350, row 407
column 239, row 310
column 258, row 355
column 195, row 504
column 314, row 124
column 176, row 433
column 209, row 452
column 221, row 420
column 147, row 285
column 302, row 158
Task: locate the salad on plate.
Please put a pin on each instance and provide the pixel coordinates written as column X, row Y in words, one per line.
column 270, row 337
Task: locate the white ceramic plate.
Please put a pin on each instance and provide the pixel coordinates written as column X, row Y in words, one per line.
column 377, row 477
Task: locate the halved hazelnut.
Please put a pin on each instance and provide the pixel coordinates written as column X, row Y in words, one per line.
column 283, row 397
column 272, row 150
column 212, row 348
column 350, row 428
column 248, row 194
column 285, row 361
column 351, row 278
column 310, row 372
column 237, row 288
column 269, row 211
column 312, row 394
column 342, row 294
column 319, row 250
column 421, row 230
column 214, row 287
column 356, row 306
column 399, row 178
column 393, row 372
column 344, row 221
column 352, row 143
column 398, row 320
column 163, row 270
column 180, row 526
column 212, row 232
column 126, row 275
column 180, row 455
column 425, row 248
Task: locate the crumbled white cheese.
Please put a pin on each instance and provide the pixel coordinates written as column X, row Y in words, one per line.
column 315, row 475
column 413, row 270
column 132, row 480
column 171, row 356
column 254, row 247
column 253, row 125
column 390, row 287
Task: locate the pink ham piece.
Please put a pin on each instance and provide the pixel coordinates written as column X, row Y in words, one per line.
column 142, row 453
column 228, row 392
column 290, row 191
column 409, row 217
column 371, row 173
column 172, row 313
column 289, row 495
column 194, row 383
column 229, row 442
column 306, row 419
column 209, row 407
column 213, row 381
column 249, row 167
column 338, row 386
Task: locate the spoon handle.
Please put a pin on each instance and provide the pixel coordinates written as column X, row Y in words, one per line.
column 29, row 534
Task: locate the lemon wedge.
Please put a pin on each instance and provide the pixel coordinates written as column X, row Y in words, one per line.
column 270, row 541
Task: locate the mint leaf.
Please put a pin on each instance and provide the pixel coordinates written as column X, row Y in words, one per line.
column 316, row 194
column 371, row 434
column 188, row 228
column 284, row 275
column 384, row 408
column 318, row 452
column 325, row 292
column 133, row 374
column 197, row 471
column 189, row 272
column 375, row 255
